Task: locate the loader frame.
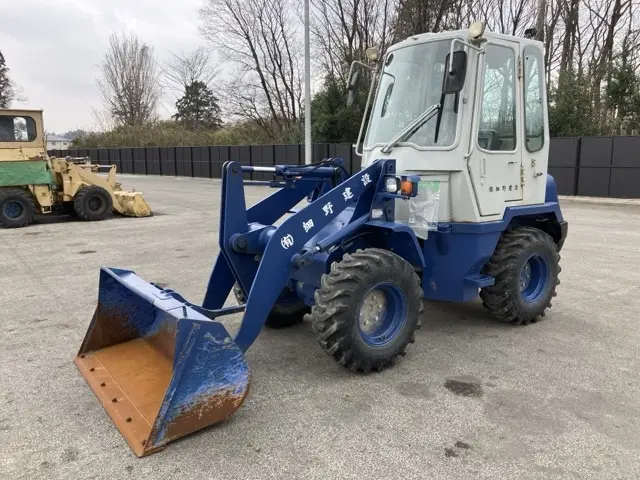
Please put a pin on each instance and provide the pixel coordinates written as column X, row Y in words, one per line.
column 302, row 244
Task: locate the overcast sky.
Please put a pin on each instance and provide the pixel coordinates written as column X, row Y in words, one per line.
column 53, row 48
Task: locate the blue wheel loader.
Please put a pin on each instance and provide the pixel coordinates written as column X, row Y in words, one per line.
column 453, row 202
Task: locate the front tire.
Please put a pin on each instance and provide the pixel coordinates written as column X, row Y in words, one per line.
column 525, row 265
column 93, row 203
column 367, row 310
column 17, row 208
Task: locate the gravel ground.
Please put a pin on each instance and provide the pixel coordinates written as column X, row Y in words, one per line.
column 472, row 399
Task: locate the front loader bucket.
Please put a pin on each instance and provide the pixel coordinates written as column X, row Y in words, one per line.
column 132, row 204
column 161, row 369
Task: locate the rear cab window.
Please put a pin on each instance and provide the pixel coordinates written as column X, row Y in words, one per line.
column 18, row 128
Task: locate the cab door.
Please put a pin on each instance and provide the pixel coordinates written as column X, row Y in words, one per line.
column 495, row 161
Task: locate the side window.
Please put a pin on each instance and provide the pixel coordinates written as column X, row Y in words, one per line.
column 17, row 129
column 498, row 110
column 533, row 108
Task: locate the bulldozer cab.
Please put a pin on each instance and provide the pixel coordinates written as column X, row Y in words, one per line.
column 467, row 110
column 21, row 135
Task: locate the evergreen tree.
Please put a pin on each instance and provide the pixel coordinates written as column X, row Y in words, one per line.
column 571, row 111
column 6, row 87
column 623, row 96
column 198, row 108
column 332, row 120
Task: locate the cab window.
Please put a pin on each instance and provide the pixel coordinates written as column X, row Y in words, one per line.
column 17, row 129
column 498, row 110
column 533, row 107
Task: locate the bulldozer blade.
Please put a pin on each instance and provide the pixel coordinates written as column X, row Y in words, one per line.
column 160, row 369
column 132, row 204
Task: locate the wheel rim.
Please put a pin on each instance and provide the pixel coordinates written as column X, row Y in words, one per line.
column 95, row 204
column 533, row 278
column 381, row 314
column 13, row 209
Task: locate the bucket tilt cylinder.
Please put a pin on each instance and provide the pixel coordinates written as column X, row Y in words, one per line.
column 163, row 367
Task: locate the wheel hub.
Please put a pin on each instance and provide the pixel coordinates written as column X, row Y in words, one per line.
column 372, row 311
column 534, row 277
column 381, row 314
column 13, row 209
column 95, row 203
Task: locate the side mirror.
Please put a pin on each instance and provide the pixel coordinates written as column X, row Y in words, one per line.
column 455, row 72
column 354, row 81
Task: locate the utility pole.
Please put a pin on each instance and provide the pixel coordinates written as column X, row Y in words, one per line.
column 542, row 8
column 307, row 87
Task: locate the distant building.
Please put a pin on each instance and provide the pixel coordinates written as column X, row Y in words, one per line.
column 57, row 143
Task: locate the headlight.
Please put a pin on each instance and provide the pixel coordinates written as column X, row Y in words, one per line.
column 392, row 184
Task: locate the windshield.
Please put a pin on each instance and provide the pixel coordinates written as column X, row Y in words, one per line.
column 410, row 83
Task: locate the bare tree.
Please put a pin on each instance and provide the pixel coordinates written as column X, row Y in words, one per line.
column 129, row 83
column 421, row 16
column 343, row 29
column 184, row 69
column 260, row 41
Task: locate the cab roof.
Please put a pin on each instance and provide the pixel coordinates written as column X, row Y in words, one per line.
column 450, row 34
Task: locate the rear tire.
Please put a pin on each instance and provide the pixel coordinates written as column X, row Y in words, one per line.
column 284, row 314
column 93, row 203
column 367, row 310
column 525, row 264
column 17, row 208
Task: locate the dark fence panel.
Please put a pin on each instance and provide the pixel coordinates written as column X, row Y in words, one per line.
column 595, row 162
column 345, row 151
column 200, row 157
column 625, row 183
column 102, row 156
column 625, row 172
column 126, row 156
column 184, row 167
column 280, row 154
column 139, row 161
column 294, row 154
column 564, row 152
column 152, row 154
column 215, row 160
column 320, row 151
column 565, row 179
column 262, row 156
column 564, row 156
column 596, row 151
column 244, row 157
column 626, row 152
column 590, row 166
column 167, row 161
column 593, row 182
column 114, row 158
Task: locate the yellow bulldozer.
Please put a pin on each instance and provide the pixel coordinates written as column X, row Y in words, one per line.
column 33, row 183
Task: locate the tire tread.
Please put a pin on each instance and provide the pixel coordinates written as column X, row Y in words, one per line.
column 331, row 310
column 499, row 299
column 26, row 198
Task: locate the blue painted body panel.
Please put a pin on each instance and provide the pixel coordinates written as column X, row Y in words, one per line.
column 278, row 263
column 456, row 253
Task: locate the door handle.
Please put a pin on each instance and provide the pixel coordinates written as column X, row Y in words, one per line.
column 483, row 169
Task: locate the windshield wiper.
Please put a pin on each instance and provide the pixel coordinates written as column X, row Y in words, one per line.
column 412, row 128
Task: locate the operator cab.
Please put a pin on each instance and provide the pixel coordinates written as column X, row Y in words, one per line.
column 466, row 110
